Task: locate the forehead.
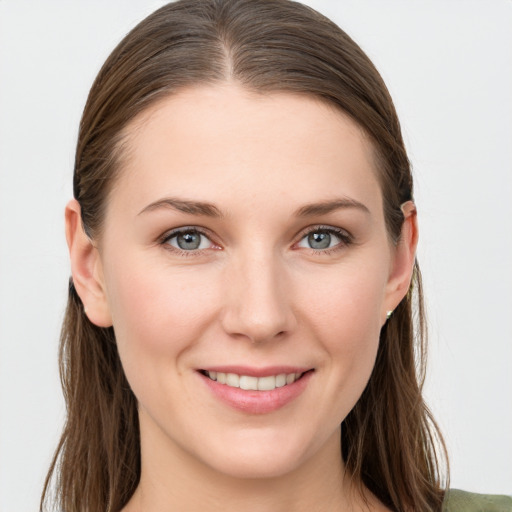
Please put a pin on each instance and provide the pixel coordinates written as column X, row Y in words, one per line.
column 224, row 142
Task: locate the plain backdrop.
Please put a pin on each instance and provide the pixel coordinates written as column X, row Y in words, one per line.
column 448, row 65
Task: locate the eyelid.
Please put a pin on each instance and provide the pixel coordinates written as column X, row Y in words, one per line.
column 345, row 237
column 168, row 235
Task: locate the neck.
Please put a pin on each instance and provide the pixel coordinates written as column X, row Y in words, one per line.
column 173, row 480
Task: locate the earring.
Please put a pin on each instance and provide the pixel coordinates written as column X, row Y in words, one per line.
column 388, row 314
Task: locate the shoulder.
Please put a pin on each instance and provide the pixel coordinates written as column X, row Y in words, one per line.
column 461, row 501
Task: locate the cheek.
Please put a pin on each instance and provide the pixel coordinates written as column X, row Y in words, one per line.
column 347, row 303
column 345, row 316
column 158, row 312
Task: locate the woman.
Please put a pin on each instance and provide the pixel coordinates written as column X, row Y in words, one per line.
column 243, row 241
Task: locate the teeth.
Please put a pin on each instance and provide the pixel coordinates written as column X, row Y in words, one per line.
column 267, row 383
column 280, row 380
column 233, row 380
column 248, row 382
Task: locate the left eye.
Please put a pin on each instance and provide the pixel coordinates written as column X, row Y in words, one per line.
column 321, row 239
column 190, row 240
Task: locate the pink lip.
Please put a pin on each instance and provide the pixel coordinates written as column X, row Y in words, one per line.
column 256, row 402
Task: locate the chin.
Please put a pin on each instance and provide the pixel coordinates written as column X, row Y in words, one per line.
column 261, row 457
column 264, row 466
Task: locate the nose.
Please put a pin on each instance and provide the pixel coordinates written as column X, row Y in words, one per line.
column 258, row 300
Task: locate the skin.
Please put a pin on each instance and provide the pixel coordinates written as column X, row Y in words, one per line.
column 255, row 293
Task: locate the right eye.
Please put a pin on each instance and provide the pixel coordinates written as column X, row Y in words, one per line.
column 188, row 240
column 325, row 239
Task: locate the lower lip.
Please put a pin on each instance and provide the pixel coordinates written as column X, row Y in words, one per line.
column 257, row 402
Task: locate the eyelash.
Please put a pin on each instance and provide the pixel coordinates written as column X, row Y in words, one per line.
column 346, row 239
column 164, row 240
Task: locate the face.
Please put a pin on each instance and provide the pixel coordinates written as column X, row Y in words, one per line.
column 244, row 246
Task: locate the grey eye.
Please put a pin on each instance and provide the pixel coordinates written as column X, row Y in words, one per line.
column 189, row 240
column 319, row 240
column 323, row 238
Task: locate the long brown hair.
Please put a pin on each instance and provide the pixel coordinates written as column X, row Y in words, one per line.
column 390, row 442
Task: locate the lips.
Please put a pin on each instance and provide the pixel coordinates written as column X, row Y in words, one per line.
column 256, row 391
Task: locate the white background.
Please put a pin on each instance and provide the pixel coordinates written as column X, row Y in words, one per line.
column 448, row 65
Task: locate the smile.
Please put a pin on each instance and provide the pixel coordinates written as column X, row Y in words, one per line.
column 256, row 390
column 251, row 383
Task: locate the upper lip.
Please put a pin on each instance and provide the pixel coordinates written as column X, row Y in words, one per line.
column 252, row 371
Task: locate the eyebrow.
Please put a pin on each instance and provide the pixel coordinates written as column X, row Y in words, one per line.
column 326, row 207
column 190, row 207
column 210, row 210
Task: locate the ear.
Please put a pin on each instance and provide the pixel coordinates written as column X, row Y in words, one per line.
column 86, row 268
column 403, row 259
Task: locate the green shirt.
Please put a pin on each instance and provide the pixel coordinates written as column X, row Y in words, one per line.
column 461, row 501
